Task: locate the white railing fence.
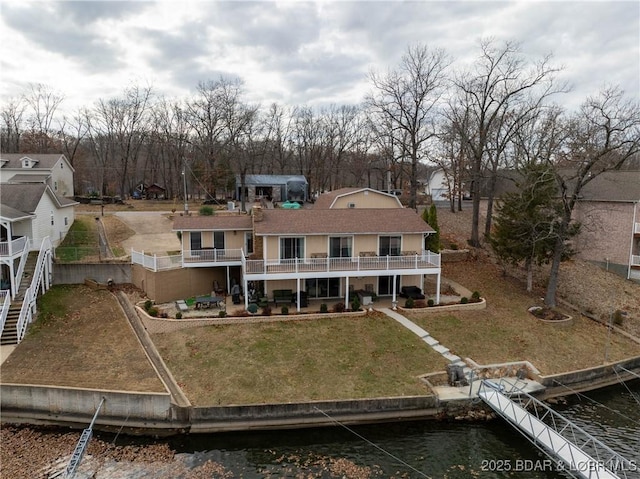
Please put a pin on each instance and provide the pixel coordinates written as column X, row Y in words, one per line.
column 5, row 297
column 28, row 309
column 20, row 270
column 155, row 262
column 9, row 248
column 635, row 260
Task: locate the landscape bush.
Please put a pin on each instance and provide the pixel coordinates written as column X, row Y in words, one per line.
column 153, row 311
column 355, row 304
column 266, row 311
column 323, row 308
column 147, row 305
column 464, row 300
column 206, row 211
column 178, row 315
column 252, row 308
column 431, row 303
column 284, row 310
column 338, row 308
column 409, row 303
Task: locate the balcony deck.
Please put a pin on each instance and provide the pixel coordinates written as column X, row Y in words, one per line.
column 14, row 247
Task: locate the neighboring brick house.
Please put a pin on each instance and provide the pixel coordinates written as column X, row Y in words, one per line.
column 351, row 240
column 53, row 170
column 610, row 217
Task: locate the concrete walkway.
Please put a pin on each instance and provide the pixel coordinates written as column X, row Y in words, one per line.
column 427, row 338
column 451, row 393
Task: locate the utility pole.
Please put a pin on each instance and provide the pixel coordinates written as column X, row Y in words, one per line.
column 184, row 183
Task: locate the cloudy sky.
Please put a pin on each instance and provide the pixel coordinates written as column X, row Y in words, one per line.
column 296, row 52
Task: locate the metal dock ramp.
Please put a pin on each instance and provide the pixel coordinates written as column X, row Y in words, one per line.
column 573, row 449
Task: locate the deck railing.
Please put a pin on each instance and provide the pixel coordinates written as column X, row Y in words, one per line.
column 13, row 247
column 212, row 255
column 155, row 262
column 427, row 259
column 5, row 298
column 28, row 308
column 635, row 260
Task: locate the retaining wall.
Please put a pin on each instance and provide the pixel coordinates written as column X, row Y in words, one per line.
column 67, row 405
column 76, row 273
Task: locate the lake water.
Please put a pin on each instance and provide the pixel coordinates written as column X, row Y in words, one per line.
column 419, row 449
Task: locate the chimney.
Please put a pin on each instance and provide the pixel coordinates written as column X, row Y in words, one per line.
column 258, row 214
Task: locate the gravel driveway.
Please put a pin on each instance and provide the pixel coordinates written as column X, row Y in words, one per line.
column 153, row 231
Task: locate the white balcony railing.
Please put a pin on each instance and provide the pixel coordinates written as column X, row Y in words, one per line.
column 13, row 247
column 213, row 256
column 155, row 262
column 5, row 299
column 636, row 229
column 635, row 260
column 425, row 260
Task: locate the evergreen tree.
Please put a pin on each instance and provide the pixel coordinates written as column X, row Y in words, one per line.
column 430, row 216
column 528, row 221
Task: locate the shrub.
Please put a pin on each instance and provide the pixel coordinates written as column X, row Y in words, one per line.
column 179, row 315
column 206, row 211
column 454, row 246
column 266, row 311
column 284, row 310
column 153, row 312
column 618, row 317
column 222, row 313
column 475, row 297
column 420, row 303
column 355, row 304
column 409, row 303
column 147, row 305
column 464, row 300
column 338, row 308
column 323, row 308
column 164, row 315
column 252, row 308
column 431, row 303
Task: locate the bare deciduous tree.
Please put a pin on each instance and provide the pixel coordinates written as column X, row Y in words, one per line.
column 409, row 97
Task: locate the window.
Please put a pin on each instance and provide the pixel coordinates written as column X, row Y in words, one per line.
column 61, row 165
column 52, row 219
column 340, row 247
column 218, row 239
column 389, row 245
column 291, row 248
column 248, row 242
column 66, row 221
column 55, row 186
column 195, row 242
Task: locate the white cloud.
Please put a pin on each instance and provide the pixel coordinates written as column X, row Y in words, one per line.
column 296, row 52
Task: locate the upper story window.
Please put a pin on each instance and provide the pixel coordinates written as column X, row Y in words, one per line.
column 218, row 239
column 389, row 245
column 53, row 222
column 291, row 248
column 248, row 242
column 195, row 240
column 340, row 247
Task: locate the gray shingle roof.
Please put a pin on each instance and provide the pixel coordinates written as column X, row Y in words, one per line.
column 613, row 186
column 26, row 196
column 341, row 221
column 211, row 223
column 46, row 161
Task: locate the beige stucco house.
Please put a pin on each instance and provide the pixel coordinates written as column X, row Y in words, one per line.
column 351, row 240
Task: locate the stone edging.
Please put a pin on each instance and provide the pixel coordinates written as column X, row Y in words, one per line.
column 482, row 304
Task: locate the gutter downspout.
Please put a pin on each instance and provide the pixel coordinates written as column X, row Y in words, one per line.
column 633, row 229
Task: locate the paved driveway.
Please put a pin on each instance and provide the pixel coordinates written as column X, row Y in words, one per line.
column 153, row 232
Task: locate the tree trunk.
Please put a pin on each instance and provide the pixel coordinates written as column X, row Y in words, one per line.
column 529, row 265
column 552, row 285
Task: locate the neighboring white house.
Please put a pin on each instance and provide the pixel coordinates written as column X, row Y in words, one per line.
column 436, row 186
column 34, row 211
column 53, row 170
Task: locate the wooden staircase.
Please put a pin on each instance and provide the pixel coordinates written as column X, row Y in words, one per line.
column 10, row 331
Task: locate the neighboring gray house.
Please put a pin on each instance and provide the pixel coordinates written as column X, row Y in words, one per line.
column 53, row 170
column 278, row 188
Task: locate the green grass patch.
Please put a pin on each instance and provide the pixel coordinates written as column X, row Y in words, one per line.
column 323, row 359
column 81, row 241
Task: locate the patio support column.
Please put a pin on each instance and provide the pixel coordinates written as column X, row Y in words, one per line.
column 244, row 288
column 228, row 281
column 393, row 289
column 438, row 288
column 346, row 292
column 14, row 286
column 298, row 294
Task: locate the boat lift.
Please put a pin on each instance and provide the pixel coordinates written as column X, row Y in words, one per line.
column 574, row 450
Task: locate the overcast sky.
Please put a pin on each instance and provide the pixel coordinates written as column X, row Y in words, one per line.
column 311, row 53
